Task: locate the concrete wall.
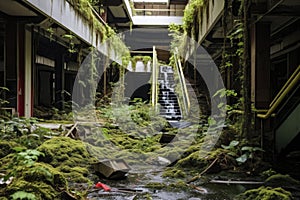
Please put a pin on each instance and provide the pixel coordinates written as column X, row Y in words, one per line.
column 215, row 10
column 65, row 15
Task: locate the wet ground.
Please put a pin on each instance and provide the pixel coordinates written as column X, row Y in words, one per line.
column 135, row 187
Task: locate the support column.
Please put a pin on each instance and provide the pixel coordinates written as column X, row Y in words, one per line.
column 11, row 63
column 21, row 69
column 59, row 80
column 260, row 65
column 28, row 74
column 261, row 83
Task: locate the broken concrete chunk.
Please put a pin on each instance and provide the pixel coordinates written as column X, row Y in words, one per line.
column 112, row 169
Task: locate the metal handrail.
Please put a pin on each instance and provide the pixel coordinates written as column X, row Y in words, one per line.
column 285, row 85
column 185, row 94
column 154, row 79
column 292, row 81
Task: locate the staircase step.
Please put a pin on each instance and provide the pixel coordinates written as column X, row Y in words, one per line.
column 167, row 98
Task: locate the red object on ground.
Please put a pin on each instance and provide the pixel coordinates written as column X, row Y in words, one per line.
column 103, row 186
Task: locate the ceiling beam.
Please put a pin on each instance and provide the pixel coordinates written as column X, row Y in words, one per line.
column 111, row 2
column 284, row 10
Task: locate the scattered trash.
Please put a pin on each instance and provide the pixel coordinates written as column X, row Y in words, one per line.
column 199, row 189
column 112, row 169
column 237, row 182
column 166, row 138
column 72, row 133
column 103, row 186
column 163, row 161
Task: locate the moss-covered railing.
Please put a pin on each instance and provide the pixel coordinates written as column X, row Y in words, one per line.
column 184, row 92
column 154, row 85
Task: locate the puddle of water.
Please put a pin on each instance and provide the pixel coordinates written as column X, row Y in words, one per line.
column 137, row 180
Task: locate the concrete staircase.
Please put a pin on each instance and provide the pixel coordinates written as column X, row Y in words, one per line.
column 169, row 106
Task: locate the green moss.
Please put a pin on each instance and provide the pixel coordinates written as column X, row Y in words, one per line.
column 282, row 180
column 41, row 179
column 156, row 185
column 76, row 177
column 265, row 193
column 65, row 151
column 174, row 173
column 6, row 147
column 179, row 185
column 68, row 156
column 42, row 190
column 46, row 173
column 199, row 158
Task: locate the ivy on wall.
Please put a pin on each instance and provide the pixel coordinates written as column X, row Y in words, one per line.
column 192, row 17
column 84, row 7
column 235, row 55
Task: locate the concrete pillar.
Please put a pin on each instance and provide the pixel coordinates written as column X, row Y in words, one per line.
column 11, row 58
column 21, row 69
column 28, row 74
column 261, row 83
column 260, row 65
column 59, row 79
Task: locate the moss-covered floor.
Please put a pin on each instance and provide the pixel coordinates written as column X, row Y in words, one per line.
column 39, row 162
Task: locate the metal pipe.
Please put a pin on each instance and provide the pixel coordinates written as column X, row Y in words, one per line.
column 283, row 94
column 285, row 85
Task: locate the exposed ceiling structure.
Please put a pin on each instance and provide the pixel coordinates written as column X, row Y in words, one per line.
column 116, row 12
column 117, row 15
column 281, row 14
column 14, row 8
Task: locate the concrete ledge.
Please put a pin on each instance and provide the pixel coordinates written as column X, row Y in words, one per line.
column 65, row 15
column 151, row 20
column 215, row 10
column 156, row 20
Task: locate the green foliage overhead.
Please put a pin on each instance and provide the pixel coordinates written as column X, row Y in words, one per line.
column 191, row 14
column 84, row 7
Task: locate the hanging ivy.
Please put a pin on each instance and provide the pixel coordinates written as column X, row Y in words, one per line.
column 193, row 16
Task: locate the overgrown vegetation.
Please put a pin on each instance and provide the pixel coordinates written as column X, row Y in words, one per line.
column 40, row 163
column 192, row 18
column 266, row 193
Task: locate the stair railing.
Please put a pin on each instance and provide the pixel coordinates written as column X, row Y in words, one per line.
column 185, row 94
column 287, row 88
column 155, row 71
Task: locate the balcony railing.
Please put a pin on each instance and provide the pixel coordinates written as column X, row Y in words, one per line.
column 159, row 12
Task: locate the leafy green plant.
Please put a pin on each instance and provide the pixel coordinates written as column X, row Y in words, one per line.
column 26, row 158
column 248, row 153
column 71, row 39
column 192, row 16
column 23, row 159
column 242, row 154
column 23, row 195
column 2, row 100
column 51, row 32
column 225, row 92
column 231, row 147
